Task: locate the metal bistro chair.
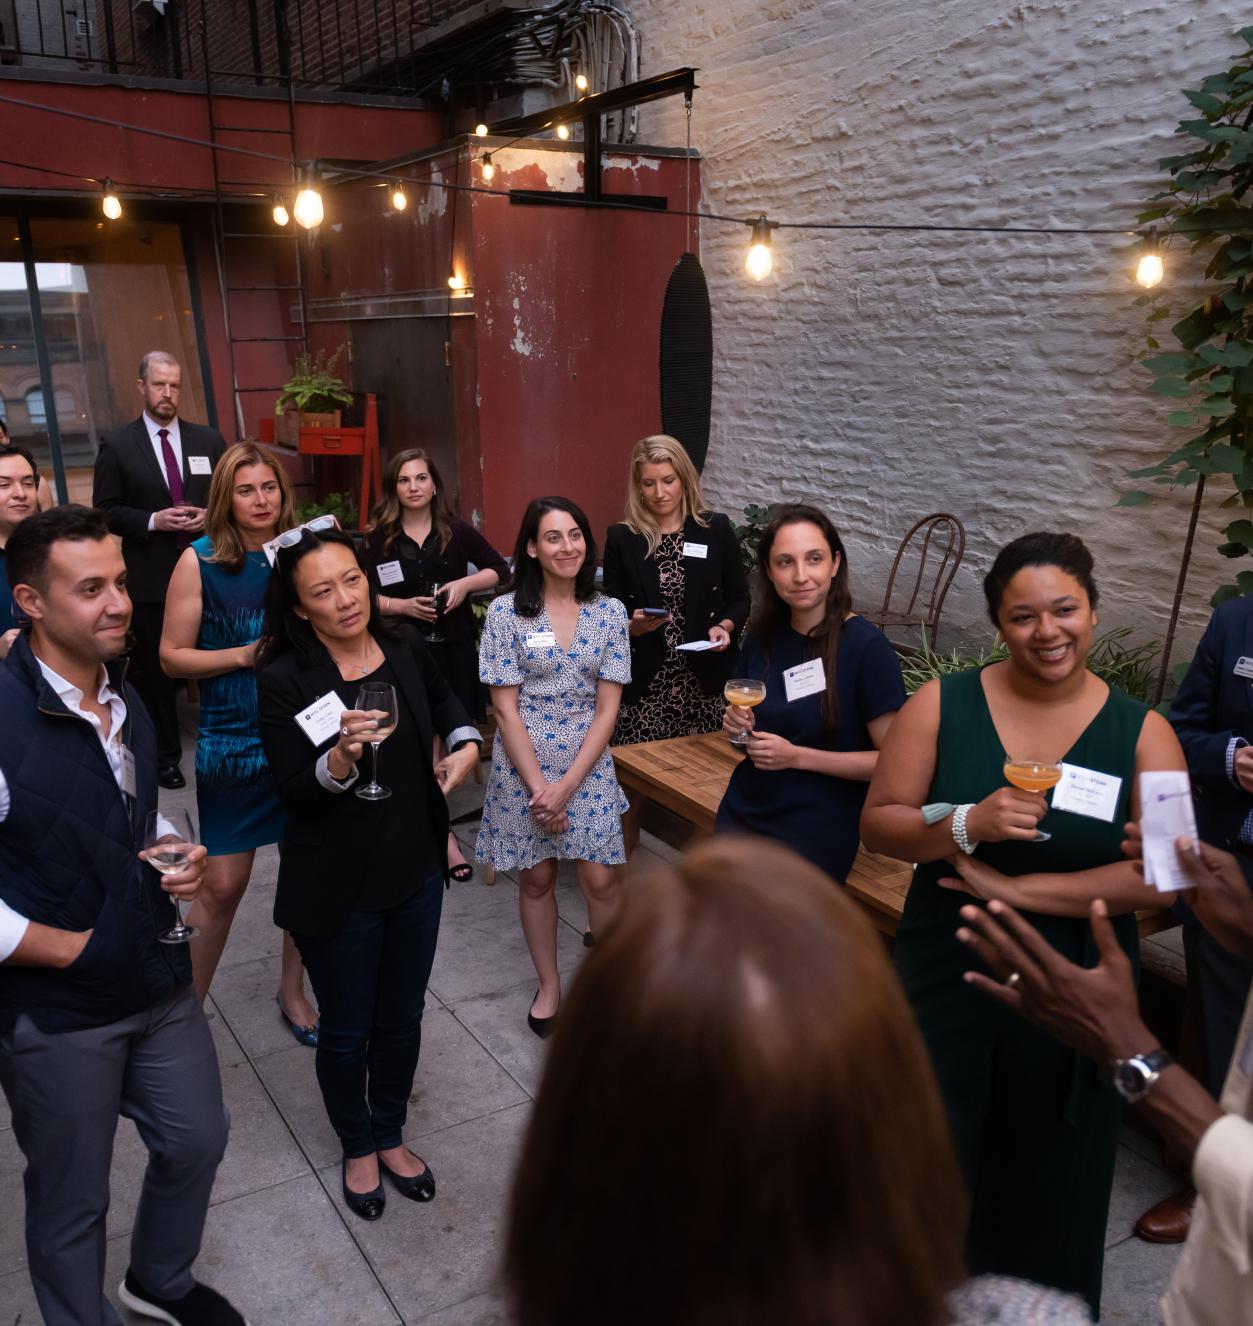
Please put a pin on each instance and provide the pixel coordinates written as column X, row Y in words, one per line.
column 940, row 540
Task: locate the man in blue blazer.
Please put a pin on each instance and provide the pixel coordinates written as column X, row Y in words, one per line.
column 152, row 482
column 1213, row 718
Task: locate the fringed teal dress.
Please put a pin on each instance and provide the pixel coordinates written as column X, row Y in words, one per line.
column 234, row 795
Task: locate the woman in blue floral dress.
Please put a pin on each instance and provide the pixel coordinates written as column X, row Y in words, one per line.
column 556, row 654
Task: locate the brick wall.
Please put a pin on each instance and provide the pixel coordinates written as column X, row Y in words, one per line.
column 893, row 375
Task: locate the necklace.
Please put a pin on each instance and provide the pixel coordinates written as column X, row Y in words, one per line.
column 362, row 668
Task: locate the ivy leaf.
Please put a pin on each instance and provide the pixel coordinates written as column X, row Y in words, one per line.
column 1235, row 300
column 1170, row 363
column 1223, row 382
column 1152, row 342
column 1222, row 594
column 1217, row 407
column 1232, row 549
column 1147, row 472
column 1228, row 457
column 1206, row 104
column 1240, row 531
column 1135, row 499
column 1171, row 387
column 1217, row 83
column 1182, row 419
column 1247, row 34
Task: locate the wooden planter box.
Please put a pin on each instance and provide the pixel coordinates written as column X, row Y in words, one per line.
column 290, row 422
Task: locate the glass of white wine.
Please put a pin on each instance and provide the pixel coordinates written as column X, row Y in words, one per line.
column 743, row 693
column 1033, row 776
column 378, row 698
column 169, row 837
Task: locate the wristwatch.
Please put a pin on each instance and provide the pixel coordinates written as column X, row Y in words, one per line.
column 1134, row 1077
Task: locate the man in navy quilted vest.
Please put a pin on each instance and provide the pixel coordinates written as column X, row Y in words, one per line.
column 97, row 1018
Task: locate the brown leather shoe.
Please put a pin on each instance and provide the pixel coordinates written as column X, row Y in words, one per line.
column 1168, row 1221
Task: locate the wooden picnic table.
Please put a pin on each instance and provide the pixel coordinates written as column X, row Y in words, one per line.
column 688, row 776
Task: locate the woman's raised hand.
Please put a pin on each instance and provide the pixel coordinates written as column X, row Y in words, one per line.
column 355, row 727
column 1008, row 814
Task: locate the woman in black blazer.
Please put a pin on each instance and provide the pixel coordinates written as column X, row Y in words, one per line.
column 673, row 553
column 361, row 882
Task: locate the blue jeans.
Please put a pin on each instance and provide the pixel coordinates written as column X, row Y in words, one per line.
column 370, row 982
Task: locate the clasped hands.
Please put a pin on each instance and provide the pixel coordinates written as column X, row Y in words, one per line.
column 185, row 519
column 548, row 807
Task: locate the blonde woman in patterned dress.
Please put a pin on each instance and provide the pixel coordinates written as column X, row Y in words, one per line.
column 555, row 653
column 673, row 553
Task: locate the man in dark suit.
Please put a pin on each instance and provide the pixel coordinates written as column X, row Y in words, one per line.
column 1213, row 718
column 152, row 483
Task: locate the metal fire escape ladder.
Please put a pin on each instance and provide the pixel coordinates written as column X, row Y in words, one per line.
column 222, row 236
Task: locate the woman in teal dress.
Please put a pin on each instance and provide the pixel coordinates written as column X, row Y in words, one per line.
column 213, row 619
column 1035, row 1126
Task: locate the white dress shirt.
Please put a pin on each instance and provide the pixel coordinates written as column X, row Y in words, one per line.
column 176, row 443
column 13, row 924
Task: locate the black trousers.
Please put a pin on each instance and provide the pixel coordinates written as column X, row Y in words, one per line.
column 158, row 692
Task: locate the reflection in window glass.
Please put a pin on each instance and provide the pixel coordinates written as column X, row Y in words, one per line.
column 19, row 367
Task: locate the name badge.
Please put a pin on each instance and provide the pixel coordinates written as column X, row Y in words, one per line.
column 1244, row 667
column 321, row 719
column 805, row 679
column 199, row 465
column 540, row 640
column 390, row 573
column 1087, row 792
column 696, row 550
column 129, row 786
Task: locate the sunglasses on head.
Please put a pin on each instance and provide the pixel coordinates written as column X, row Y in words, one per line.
column 290, row 538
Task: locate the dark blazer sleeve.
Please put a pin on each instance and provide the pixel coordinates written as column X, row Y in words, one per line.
column 613, row 569
column 281, row 694
column 736, row 595
column 481, row 553
column 1194, row 711
column 111, row 491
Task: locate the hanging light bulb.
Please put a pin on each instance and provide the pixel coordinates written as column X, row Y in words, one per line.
column 456, row 281
column 580, row 82
column 489, row 171
column 400, row 199
column 480, row 129
column 563, row 131
column 281, row 217
column 308, row 209
column 759, row 262
column 1149, row 269
column 110, row 204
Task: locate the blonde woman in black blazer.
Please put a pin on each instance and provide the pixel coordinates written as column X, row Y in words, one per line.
column 673, row 553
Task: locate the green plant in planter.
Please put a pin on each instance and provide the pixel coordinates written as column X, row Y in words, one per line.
column 315, row 386
column 342, row 506
column 756, row 518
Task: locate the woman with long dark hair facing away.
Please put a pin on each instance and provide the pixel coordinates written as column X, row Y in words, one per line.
column 676, row 566
column 361, row 881
column 832, row 688
column 419, row 554
column 555, row 653
column 214, row 616
column 1036, row 1128
column 738, row 1104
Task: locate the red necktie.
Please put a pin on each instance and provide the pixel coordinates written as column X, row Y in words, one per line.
column 173, row 475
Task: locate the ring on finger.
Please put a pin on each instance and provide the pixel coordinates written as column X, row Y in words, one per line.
column 1012, row 980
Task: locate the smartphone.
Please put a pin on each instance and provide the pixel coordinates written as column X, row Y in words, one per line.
column 655, row 612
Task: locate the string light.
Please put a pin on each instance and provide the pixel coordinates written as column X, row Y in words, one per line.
column 110, row 203
column 480, row 129
column 580, row 82
column 308, row 209
column 399, row 198
column 489, row 171
column 281, row 217
column 1149, row 269
column 563, row 131
column 760, row 261
column 456, row 281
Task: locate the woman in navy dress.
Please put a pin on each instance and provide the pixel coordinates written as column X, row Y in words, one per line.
column 833, row 686
column 214, row 614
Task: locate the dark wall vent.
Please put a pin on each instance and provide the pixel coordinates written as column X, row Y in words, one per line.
column 687, row 356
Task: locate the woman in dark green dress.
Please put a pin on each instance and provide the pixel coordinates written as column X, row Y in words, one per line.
column 1036, row 1129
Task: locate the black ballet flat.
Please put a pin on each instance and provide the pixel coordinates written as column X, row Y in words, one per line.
column 542, row 1027
column 418, row 1188
column 368, row 1205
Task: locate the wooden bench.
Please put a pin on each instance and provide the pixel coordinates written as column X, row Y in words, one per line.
column 688, row 776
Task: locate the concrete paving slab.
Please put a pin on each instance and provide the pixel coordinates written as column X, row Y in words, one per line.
column 245, row 995
column 1138, row 1184
column 457, row 1080
column 432, row 1255
column 498, row 1022
column 1136, row 1275
column 481, row 1310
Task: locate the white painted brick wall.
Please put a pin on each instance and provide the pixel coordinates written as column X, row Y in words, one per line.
column 993, row 376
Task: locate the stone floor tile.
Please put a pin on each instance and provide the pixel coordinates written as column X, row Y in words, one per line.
column 498, row 1022
column 12, row 1231
column 253, row 932
column 481, row 1310
column 432, row 1255
column 1136, row 1275
column 1138, row 1184
column 245, row 996
column 457, row 1080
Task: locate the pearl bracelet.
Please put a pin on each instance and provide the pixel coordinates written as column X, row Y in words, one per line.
column 958, row 825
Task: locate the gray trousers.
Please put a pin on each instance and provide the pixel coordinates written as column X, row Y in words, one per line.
column 66, row 1091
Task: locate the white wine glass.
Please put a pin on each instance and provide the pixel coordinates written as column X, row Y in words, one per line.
column 169, row 836
column 378, row 698
column 743, row 693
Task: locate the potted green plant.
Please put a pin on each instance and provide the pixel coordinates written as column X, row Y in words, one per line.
column 311, row 397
